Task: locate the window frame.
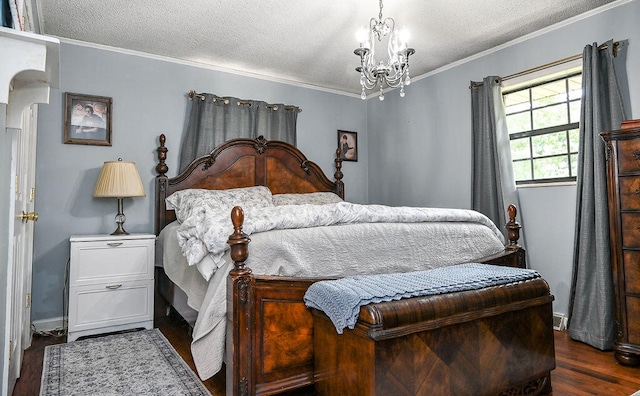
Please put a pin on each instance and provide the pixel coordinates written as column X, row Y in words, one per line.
column 571, row 151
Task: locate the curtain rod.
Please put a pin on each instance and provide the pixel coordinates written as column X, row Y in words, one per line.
column 194, row 94
column 548, row 65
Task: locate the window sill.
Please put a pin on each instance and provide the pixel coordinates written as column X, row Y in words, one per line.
column 556, row 184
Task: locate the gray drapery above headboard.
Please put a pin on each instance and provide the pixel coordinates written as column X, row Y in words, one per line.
column 214, row 120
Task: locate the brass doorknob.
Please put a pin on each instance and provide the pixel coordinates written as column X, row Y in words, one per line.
column 33, row 216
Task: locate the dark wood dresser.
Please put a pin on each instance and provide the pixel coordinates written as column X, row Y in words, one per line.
column 623, row 180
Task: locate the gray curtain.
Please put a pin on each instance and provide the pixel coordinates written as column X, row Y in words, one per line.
column 494, row 186
column 214, row 120
column 591, row 310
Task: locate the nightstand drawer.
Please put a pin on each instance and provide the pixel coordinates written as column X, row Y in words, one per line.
column 107, row 304
column 102, row 261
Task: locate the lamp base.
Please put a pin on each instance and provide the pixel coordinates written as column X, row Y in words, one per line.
column 120, row 219
column 120, row 230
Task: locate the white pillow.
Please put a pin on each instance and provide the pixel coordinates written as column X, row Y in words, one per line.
column 315, row 198
column 187, row 203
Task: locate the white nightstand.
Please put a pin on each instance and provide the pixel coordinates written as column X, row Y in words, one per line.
column 110, row 283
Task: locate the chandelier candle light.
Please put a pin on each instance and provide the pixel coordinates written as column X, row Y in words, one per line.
column 393, row 74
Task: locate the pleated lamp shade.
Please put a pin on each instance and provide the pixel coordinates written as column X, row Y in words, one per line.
column 119, row 179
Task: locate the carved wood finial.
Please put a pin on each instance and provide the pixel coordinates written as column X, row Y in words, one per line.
column 261, row 144
column 239, row 243
column 162, row 167
column 513, row 228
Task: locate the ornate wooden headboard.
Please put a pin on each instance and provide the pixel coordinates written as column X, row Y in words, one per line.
column 244, row 163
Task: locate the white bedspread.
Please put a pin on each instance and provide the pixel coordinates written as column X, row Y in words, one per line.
column 207, row 232
column 399, row 240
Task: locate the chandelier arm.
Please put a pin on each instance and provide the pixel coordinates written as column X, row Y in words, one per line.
column 370, row 81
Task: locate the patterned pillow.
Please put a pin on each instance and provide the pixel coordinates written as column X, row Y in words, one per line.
column 187, row 203
column 316, row 198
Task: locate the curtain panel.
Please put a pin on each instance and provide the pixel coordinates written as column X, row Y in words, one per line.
column 214, row 120
column 493, row 183
column 592, row 306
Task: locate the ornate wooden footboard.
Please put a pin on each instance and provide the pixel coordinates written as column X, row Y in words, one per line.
column 272, row 347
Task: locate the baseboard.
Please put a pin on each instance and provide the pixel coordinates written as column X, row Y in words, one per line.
column 50, row 324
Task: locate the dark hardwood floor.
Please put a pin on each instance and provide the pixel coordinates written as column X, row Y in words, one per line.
column 580, row 369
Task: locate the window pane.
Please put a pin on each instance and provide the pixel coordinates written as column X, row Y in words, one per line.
column 550, row 116
column 522, row 170
column 574, row 110
column 574, row 140
column 550, row 144
column 517, row 101
column 520, row 148
column 547, row 168
column 574, row 164
column 575, row 87
column 548, row 94
column 519, row 122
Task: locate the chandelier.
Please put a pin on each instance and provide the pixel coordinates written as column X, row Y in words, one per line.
column 393, row 74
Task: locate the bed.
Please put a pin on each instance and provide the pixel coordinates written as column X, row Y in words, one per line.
column 268, row 329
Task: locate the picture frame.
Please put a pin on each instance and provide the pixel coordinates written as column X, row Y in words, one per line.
column 87, row 119
column 348, row 145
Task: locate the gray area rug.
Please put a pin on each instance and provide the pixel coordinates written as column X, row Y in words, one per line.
column 134, row 363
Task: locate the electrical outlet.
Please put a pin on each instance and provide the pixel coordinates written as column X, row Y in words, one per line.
column 558, row 321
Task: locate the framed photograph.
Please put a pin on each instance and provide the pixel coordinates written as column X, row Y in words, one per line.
column 348, row 144
column 87, row 120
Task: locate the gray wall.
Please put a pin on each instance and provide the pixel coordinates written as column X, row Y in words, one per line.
column 420, row 145
column 150, row 98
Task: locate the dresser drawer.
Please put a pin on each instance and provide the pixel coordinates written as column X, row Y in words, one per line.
column 628, row 156
column 633, row 313
column 630, row 230
column 632, row 271
column 96, row 306
column 104, row 261
column 629, row 193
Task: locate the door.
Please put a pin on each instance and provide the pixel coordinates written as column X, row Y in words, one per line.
column 28, row 70
column 19, row 276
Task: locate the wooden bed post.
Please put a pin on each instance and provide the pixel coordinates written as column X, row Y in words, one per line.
column 338, row 174
column 161, row 184
column 240, row 286
column 513, row 228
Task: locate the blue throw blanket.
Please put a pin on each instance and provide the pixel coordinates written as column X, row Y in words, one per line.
column 341, row 299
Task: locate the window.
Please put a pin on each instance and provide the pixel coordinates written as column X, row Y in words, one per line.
column 543, row 120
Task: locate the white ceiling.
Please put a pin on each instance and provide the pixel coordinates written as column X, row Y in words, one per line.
column 300, row 41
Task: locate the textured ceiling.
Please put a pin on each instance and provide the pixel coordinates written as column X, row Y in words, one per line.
column 300, row 41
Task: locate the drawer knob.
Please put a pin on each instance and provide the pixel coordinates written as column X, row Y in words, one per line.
column 114, row 287
column 636, row 154
column 114, row 244
column 638, row 191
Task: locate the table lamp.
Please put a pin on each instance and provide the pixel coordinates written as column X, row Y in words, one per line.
column 119, row 179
